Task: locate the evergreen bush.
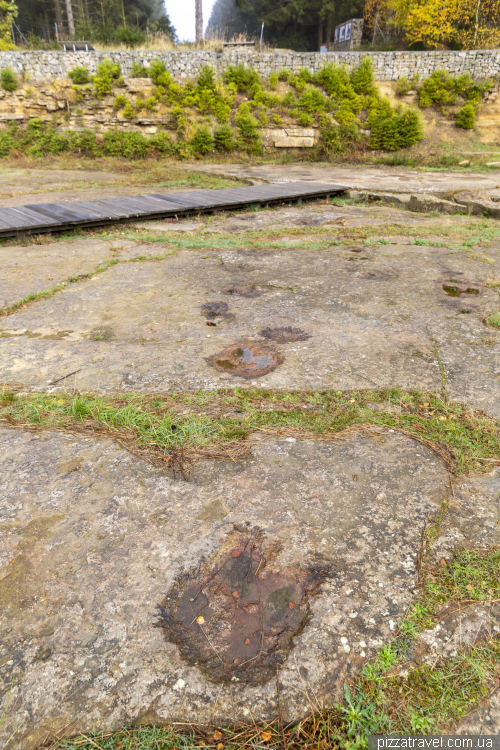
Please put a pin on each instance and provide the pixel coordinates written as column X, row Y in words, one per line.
column 466, row 117
column 79, row 75
column 8, row 79
column 224, row 138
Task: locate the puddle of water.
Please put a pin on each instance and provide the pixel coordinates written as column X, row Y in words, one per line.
column 241, row 290
column 214, row 309
column 247, row 359
column 285, row 334
column 455, row 291
column 236, row 617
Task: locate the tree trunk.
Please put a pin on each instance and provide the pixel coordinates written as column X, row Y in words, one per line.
column 320, row 33
column 199, row 21
column 69, row 13
column 58, row 12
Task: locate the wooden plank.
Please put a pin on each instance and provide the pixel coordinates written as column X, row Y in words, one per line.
column 59, row 215
column 113, row 205
column 56, row 212
column 144, row 205
column 20, row 219
column 60, row 212
column 102, row 212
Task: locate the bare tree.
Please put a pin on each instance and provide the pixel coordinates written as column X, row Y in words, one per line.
column 199, row 21
column 69, row 13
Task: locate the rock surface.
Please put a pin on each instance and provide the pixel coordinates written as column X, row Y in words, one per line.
column 93, row 538
column 383, row 179
column 376, row 315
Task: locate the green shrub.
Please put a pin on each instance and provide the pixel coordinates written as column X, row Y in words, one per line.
column 399, row 130
column 305, row 75
column 289, row 100
column 242, row 76
column 159, row 74
column 7, row 143
column 249, row 137
column 162, row 144
column 312, row 100
column 79, row 75
column 206, row 78
column 442, row 89
column 129, row 111
column 344, row 115
column 203, row 142
column 40, row 139
column 8, row 79
column 139, row 71
column 336, row 81
column 120, row 143
column 129, row 36
column 120, row 102
column 466, row 117
column 273, row 81
column 305, row 120
column 151, row 102
column 224, row 139
column 403, row 85
column 108, row 76
column 285, row 74
column 362, row 77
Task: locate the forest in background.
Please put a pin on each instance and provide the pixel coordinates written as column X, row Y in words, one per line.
column 406, row 24
column 126, row 22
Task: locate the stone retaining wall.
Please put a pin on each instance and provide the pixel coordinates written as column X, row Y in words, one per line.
column 185, row 64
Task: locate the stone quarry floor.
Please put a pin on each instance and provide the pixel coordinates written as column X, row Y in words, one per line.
column 99, row 545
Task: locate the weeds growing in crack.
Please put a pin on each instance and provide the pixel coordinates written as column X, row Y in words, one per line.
column 213, row 424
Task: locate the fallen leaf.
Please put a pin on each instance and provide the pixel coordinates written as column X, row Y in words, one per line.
column 469, row 587
column 291, row 605
column 235, row 661
column 209, row 323
column 442, row 561
column 426, row 403
column 218, row 735
column 247, row 641
column 220, row 746
column 236, row 595
column 266, row 736
column 200, row 620
column 236, row 553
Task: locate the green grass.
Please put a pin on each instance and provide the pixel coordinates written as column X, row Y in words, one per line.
column 494, row 320
column 223, row 420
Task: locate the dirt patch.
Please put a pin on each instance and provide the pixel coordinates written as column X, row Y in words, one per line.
column 285, row 334
column 215, row 310
column 236, row 618
column 247, row 359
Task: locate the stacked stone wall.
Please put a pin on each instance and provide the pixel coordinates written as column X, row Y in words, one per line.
column 185, row 64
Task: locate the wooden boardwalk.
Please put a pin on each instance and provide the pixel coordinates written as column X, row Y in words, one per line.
column 36, row 218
